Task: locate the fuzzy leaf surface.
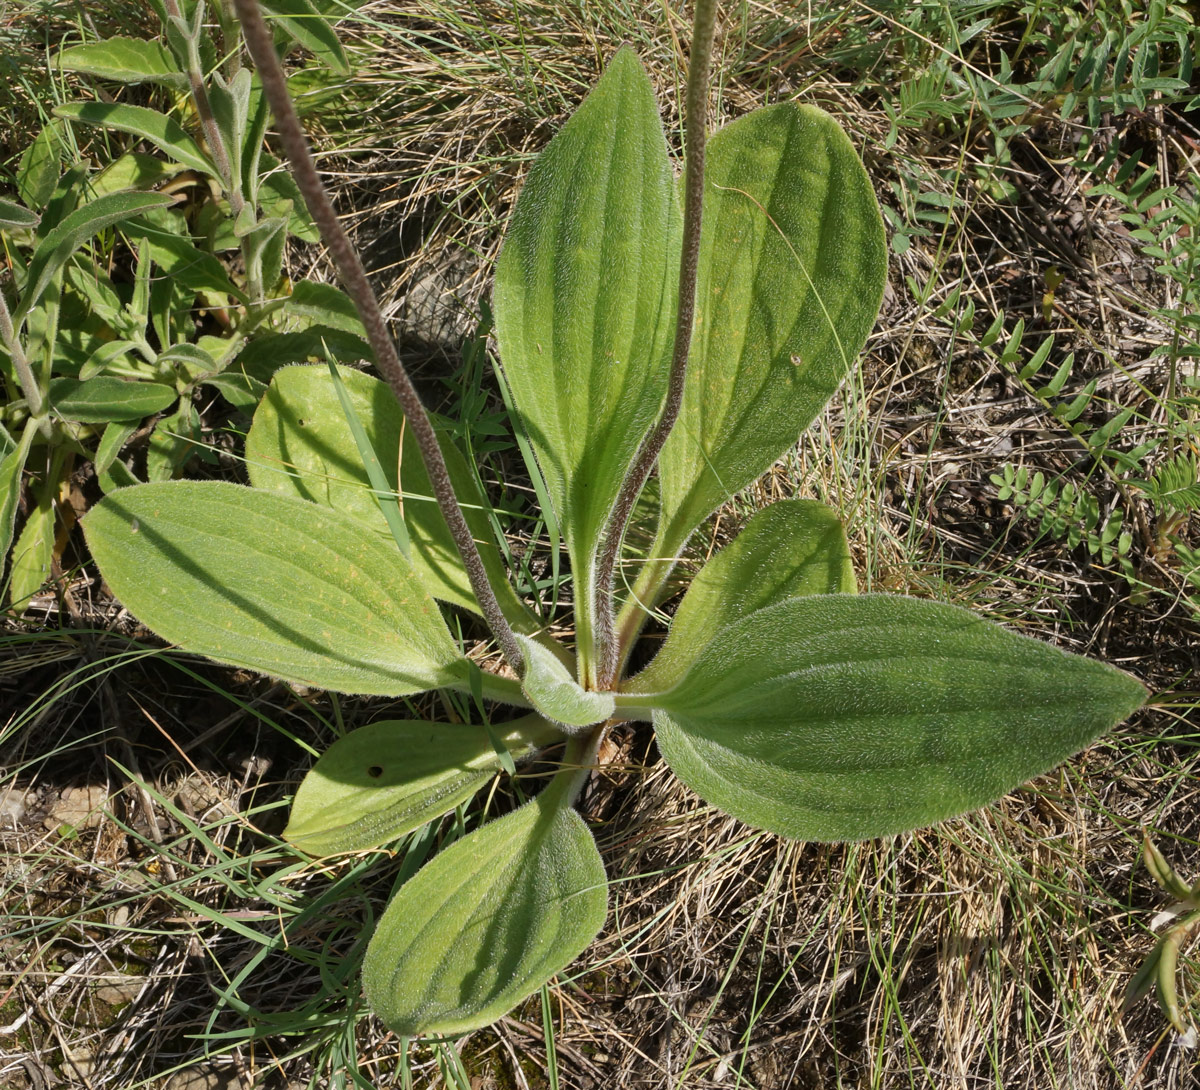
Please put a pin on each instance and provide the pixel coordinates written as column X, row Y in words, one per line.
column 791, row 274
column 165, row 133
column 125, row 60
column 274, row 584
column 487, row 922
column 585, row 302
column 104, row 398
column 843, row 717
column 552, row 689
column 300, row 444
column 791, row 549
column 386, row 779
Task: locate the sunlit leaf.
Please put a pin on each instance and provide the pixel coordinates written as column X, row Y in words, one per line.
column 584, row 303
column 383, row 780
column 487, row 922
column 840, row 717
column 274, row 584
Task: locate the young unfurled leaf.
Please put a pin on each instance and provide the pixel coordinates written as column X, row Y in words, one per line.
column 791, row 549
column 585, row 302
column 487, row 922
column 552, row 689
column 791, row 273
column 384, row 780
column 300, row 444
column 841, row 717
column 274, row 584
column 125, row 60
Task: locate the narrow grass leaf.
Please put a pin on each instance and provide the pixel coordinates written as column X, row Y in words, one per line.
column 842, row 717
column 386, row 497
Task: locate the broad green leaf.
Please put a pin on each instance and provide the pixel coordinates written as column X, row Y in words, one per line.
column 384, row 780
column 134, row 170
column 126, row 60
column 791, row 274
column 487, row 922
column 103, row 398
column 274, row 584
column 243, row 392
column 14, row 216
column 311, row 29
column 10, row 488
column 555, row 693
column 841, row 717
column 791, row 549
column 165, row 133
column 300, row 444
column 184, row 263
column 64, row 239
column 315, row 304
column 269, row 352
column 584, row 302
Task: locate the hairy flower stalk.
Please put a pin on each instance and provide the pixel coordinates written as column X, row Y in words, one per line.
column 354, row 277
column 695, row 133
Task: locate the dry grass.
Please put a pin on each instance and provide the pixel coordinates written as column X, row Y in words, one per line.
column 171, row 940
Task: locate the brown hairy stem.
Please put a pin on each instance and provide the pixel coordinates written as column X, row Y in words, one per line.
column 354, row 279
column 695, row 131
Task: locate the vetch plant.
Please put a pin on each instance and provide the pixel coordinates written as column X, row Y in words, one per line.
column 630, row 342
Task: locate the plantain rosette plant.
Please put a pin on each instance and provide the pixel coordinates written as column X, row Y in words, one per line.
column 779, row 694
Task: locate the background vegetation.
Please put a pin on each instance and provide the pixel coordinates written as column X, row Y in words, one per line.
column 1021, row 437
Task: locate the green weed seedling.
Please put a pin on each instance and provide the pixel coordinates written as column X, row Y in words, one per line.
column 96, row 361
column 629, row 342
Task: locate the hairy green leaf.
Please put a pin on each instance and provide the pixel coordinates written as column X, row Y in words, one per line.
column 15, row 216
column 300, row 444
column 272, row 583
column 165, row 133
column 791, row 273
column 386, row 779
column 126, row 60
column 791, row 549
column 487, row 922
column 551, row 689
column 584, row 304
column 103, row 398
column 62, row 241
column 840, row 717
